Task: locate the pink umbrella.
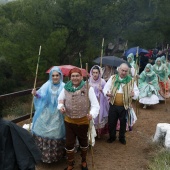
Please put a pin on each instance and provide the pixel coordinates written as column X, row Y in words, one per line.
column 66, row 69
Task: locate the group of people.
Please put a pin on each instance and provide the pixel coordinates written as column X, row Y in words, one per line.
column 153, row 81
column 64, row 112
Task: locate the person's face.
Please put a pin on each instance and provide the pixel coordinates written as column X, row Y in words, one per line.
column 55, row 77
column 95, row 74
column 129, row 59
column 147, row 69
column 158, row 62
column 123, row 71
column 76, row 78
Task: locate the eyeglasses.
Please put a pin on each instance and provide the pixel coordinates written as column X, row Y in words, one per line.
column 55, row 75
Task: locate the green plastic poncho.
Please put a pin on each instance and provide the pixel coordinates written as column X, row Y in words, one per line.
column 131, row 62
column 160, row 70
column 148, row 83
column 163, row 59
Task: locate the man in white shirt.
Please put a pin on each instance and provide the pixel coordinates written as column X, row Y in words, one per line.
column 79, row 104
column 121, row 89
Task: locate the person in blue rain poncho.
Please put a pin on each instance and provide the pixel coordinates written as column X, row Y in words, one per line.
column 48, row 123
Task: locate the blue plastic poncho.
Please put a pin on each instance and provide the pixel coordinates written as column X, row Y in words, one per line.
column 48, row 122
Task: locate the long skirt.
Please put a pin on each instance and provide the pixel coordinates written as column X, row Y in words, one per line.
column 164, row 89
column 102, row 128
column 150, row 100
column 52, row 150
column 49, row 134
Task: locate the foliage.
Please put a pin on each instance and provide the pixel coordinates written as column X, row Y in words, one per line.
column 66, row 27
column 18, row 107
column 160, row 161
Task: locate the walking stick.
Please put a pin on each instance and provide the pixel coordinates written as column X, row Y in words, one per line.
column 90, row 128
column 35, row 81
column 166, row 80
column 137, row 59
column 133, row 87
column 80, row 60
column 101, row 56
column 125, row 47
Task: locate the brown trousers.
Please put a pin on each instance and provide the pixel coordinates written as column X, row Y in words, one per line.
column 73, row 131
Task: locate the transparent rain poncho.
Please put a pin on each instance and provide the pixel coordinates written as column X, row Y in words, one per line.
column 48, row 122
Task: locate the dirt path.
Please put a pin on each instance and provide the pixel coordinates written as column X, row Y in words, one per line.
column 132, row 156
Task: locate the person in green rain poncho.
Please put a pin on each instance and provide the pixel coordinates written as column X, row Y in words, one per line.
column 148, row 87
column 162, row 72
column 163, row 59
column 130, row 59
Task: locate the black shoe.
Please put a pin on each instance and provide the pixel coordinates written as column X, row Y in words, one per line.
column 123, row 141
column 111, row 140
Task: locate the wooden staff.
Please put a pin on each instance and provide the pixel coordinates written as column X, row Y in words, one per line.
column 80, row 60
column 166, row 62
column 125, row 47
column 101, row 57
column 137, row 59
column 89, row 129
column 135, row 67
column 133, row 86
column 35, row 81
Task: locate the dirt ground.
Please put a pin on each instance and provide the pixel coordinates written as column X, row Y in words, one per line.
column 135, row 155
